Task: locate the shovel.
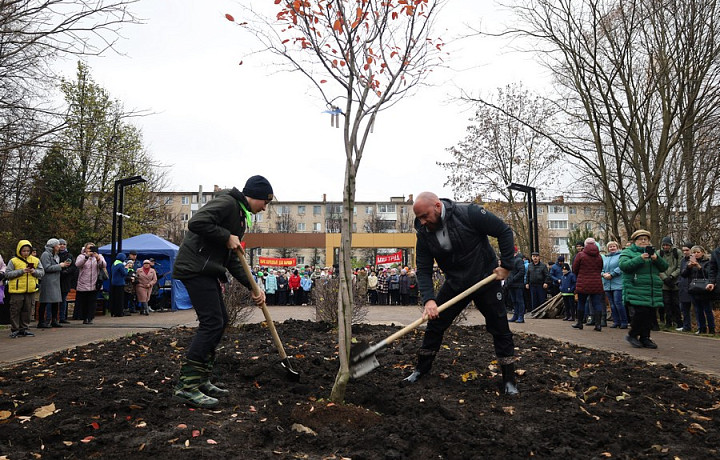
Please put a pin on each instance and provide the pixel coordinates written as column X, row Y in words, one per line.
column 292, row 374
column 362, row 355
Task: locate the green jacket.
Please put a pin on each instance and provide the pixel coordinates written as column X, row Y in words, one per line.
column 642, row 285
column 673, row 258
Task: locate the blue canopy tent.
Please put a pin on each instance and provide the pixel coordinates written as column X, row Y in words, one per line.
column 164, row 252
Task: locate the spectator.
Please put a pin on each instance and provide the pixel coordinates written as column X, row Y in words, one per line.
column 271, row 287
column 118, row 275
column 282, row 290
column 22, row 275
column 699, row 267
column 129, row 297
column 404, row 287
column 642, row 286
column 50, row 295
column 683, row 285
column 155, row 293
column 515, row 284
column 2, row 280
column 372, row 288
column 612, row 282
column 383, row 288
column 294, row 288
column 567, row 291
column 146, row 279
column 537, row 281
column 394, row 287
column 556, row 273
column 670, row 311
column 414, row 289
column 306, row 284
column 361, row 285
column 89, row 264
column 67, row 276
column 588, row 268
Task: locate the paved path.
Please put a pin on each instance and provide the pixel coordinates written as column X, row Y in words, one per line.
column 698, row 353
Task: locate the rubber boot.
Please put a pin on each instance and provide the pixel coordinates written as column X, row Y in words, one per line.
column 208, row 387
column 425, row 360
column 193, row 374
column 509, row 382
column 598, row 320
column 580, row 321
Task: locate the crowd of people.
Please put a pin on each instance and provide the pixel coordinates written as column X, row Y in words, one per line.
column 372, row 285
column 644, row 288
column 46, row 281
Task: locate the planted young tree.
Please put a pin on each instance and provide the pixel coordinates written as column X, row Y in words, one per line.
column 362, row 56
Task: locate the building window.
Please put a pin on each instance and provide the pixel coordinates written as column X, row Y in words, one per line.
column 557, row 224
column 317, row 210
column 354, row 227
column 386, row 207
column 301, row 260
column 586, row 210
column 557, row 209
column 168, row 200
column 204, row 199
column 184, row 217
column 257, row 217
column 560, row 241
column 572, row 210
column 369, row 209
column 334, row 209
column 301, row 210
column 573, row 226
column 283, row 210
column 354, row 210
column 194, row 198
column 301, row 226
column 540, row 209
column 185, row 200
column 588, row 225
column 317, row 227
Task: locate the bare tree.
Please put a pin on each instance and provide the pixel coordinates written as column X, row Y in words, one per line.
column 638, row 82
column 362, row 57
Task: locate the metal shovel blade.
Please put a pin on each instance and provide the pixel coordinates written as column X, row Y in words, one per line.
column 292, row 374
column 364, row 366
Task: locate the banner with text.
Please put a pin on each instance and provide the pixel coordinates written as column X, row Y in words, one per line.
column 277, row 262
column 389, row 258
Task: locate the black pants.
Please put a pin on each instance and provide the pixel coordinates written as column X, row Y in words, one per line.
column 117, row 300
column 373, row 296
column 395, row 297
column 206, row 298
column 85, row 303
column 42, row 313
column 490, row 302
column 671, row 302
column 642, row 321
column 270, row 298
column 282, row 297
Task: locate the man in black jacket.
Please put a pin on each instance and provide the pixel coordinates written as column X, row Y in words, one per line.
column 207, row 252
column 515, row 286
column 456, row 236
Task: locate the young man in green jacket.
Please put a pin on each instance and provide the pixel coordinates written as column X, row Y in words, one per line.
column 642, row 286
column 206, row 254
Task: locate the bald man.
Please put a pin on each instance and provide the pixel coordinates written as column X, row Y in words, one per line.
column 455, row 235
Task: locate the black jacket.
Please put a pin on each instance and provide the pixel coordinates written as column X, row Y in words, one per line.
column 538, row 274
column 204, row 250
column 68, row 275
column 517, row 275
column 471, row 258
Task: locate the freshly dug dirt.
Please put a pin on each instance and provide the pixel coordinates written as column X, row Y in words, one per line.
column 112, row 400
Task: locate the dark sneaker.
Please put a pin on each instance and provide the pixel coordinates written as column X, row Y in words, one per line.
column 195, row 398
column 43, row 326
column 26, row 334
column 647, row 343
column 14, row 334
column 64, row 321
column 634, row 341
column 520, row 320
column 211, row 390
column 413, row 378
column 54, row 324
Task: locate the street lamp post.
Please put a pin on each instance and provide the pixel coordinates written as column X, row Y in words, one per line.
column 532, row 213
column 117, row 217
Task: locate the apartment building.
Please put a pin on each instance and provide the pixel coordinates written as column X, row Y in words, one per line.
column 557, row 218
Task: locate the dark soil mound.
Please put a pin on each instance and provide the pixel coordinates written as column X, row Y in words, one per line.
column 112, row 400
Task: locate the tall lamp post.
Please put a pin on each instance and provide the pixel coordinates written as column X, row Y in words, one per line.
column 531, row 212
column 117, row 217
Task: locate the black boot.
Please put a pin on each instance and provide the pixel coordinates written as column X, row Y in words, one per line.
column 603, row 319
column 598, row 321
column 580, row 322
column 508, row 376
column 424, row 363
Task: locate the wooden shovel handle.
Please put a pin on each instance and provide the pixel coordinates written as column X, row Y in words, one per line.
column 441, row 308
column 266, row 312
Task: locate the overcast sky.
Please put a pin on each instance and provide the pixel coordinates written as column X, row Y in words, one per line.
column 217, row 122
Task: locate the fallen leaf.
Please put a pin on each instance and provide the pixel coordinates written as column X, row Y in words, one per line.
column 302, row 429
column 5, row 414
column 68, row 443
column 702, row 418
column 44, row 411
column 252, row 409
column 622, row 397
column 195, row 433
column 182, row 426
column 684, row 386
column 229, row 17
column 510, row 410
column 606, row 454
column 696, row 428
column 87, row 439
column 187, row 443
column 95, row 425
column 141, row 425
column 471, row 375
column 211, row 441
column 573, row 374
column 520, row 372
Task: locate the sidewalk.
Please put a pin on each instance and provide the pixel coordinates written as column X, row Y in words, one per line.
column 701, row 354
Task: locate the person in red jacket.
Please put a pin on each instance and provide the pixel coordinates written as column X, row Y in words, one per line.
column 587, row 267
column 294, row 286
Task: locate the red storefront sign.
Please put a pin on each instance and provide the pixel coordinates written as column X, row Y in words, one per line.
column 278, row 262
column 389, row 258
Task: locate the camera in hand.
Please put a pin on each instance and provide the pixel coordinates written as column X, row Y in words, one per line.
column 30, row 265
column 93, row 248
column 649, row 250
